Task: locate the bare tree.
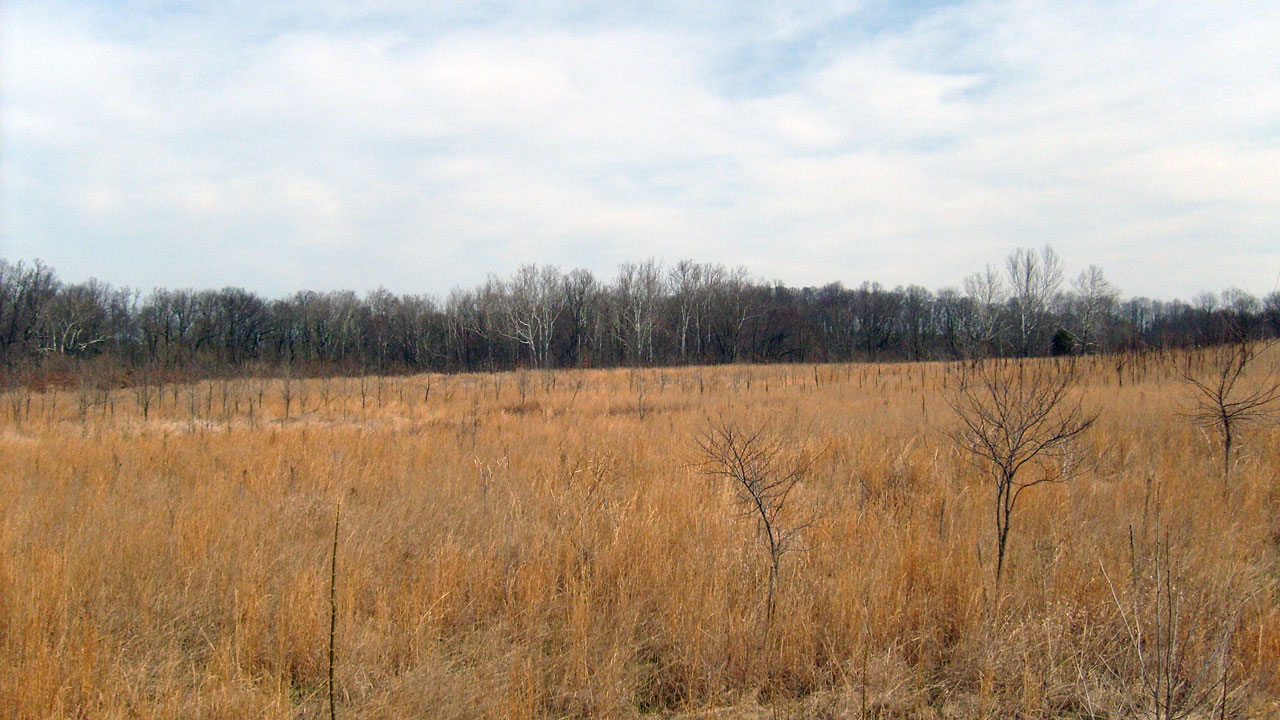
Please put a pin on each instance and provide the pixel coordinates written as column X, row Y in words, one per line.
column 74, row 321
column 915, row 319
column 470, row 321
column 638, row 289
column 383, row 306
column 874, row 313
column 1095, row 300
column 289, row 388
column 25, row 291
column 1033, row 280
column 685, row 281
column 531, row 305
column 1205, row 301
column 730, row 307
column 1232, row 396
column 764, row 474
column 987, row 295
column 1021, row 419
column 146, row 388
column 581, row 314
column 1242, row 311
column 1271, row 312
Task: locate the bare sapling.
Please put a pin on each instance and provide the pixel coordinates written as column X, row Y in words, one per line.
column 426, row 388
column 193, row 404
column 257, row 390
column 325, row 382
column 579, row 381
column 18, row 393
column 86, row 395
column 764, row 474
column 288, row 389
column 641, row 386
column 145, row 390
column 523, row 382
column 1234, row 393
column 1021, row 421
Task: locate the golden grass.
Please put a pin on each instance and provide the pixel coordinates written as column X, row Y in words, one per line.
column 556, row 552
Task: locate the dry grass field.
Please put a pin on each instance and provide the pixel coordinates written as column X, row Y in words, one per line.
column 529, row 545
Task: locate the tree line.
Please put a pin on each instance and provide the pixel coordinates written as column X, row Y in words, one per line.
column 649, row 313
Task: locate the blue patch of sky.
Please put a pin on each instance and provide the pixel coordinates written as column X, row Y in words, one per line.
column 766, row 64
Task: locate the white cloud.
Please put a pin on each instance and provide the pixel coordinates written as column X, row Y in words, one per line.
column 320, row 147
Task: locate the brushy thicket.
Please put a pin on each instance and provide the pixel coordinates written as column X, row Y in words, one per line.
column 546, row 545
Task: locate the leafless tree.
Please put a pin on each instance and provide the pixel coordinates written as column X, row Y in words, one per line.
column 685, row 281
column 289, row 389
column 581, row 314
column 1271, row 312
column 75, row 320
column 764, row 474
column 1033, row 280
column 987, row 294
column 875, row 311
column 915, row 305
column 522, row 382
column 1242, row 311
column 639, row 289
column 1095, row 300
column 531, row 305
column 25, row 292
column 1021, row 420
column 1233, row 395
column 383, row 307
column 731, row 306
column 639, row 384
column 470, row 319
column 146, row 388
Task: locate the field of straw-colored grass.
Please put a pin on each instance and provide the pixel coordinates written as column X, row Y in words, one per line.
column 546, row 545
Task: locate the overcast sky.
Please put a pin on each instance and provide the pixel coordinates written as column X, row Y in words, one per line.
column 330, row 144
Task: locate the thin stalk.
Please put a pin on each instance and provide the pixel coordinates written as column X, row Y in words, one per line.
column 333, row 603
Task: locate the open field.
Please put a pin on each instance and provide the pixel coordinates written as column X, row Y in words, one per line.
column 546, row 545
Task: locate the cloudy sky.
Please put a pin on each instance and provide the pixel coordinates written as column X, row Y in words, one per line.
column 418, row 146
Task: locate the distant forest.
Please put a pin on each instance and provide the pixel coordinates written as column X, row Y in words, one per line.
column 649, row 313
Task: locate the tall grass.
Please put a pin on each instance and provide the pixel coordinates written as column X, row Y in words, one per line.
column 551, row 549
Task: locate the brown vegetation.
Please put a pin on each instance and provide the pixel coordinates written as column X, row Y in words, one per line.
column 510, row 548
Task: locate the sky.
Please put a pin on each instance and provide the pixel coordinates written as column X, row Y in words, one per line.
column 416, row 146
